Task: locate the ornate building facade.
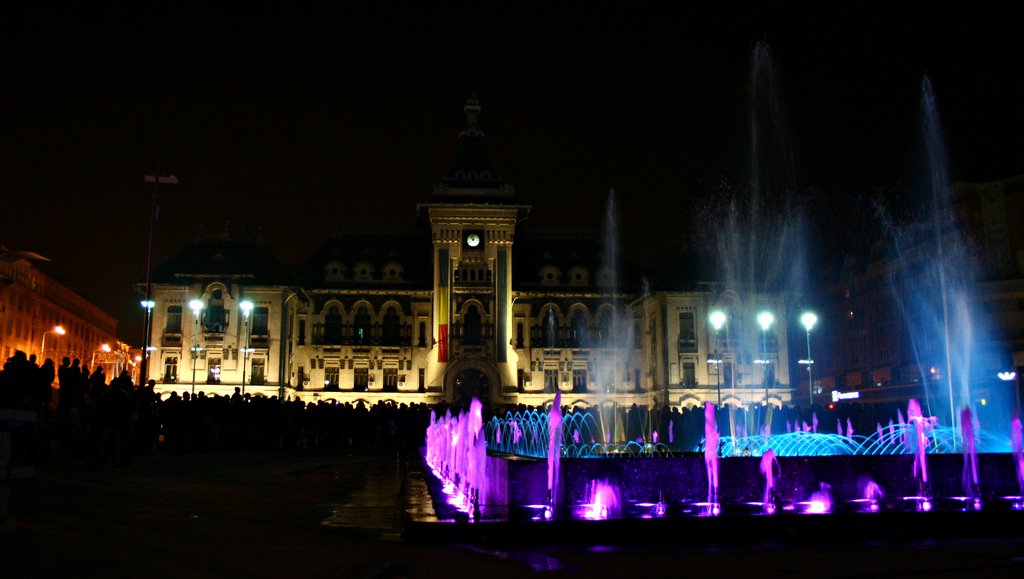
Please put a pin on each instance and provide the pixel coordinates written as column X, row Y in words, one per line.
column 42, row 317
column 472, row 304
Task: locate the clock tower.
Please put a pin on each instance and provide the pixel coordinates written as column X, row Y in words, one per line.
column 473, row 215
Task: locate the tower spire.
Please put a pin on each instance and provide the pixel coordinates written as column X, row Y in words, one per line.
column 472, row 110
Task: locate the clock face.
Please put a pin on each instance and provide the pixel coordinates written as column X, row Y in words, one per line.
column 473, row 240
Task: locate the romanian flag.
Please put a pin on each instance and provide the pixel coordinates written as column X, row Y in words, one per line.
column 443, row 305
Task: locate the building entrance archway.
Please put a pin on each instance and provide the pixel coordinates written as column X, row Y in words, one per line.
column 472, row 378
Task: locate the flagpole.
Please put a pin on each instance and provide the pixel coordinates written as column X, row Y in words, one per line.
column 154, row 212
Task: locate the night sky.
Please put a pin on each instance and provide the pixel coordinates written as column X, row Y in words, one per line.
column 294, row 120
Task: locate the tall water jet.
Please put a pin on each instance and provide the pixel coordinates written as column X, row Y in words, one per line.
column 554, row 448
column 922, row 425
column 476, row 456
column 939, row 303
column 769, row 464
column 755, row 241
column 1017, row 446
column 972, row 488
column 936, row 150
column 711, row 451
column 616, row 336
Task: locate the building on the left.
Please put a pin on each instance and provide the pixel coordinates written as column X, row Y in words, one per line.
column 42, row 317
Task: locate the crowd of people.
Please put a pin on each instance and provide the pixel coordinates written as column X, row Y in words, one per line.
column 79, row 414
column 106, row 423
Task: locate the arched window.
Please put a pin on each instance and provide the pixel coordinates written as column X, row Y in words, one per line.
column 471, row 327
column 215, row 318
column 391, row 327
column 578, row 337
column 361, row 326
column 332, row 326
column 604, row 337
column 550, row 329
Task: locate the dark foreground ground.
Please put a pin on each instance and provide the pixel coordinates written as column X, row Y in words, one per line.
column 314, row 513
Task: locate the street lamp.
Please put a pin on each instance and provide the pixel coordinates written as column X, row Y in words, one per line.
column 808, row 319
column 765, row 320
column 246, row 308
column 59, row 330
column 105, row 348
column 148, row 304
column 717, row 319
column 197, row 308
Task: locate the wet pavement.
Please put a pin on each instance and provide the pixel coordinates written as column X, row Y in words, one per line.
column 319, row 513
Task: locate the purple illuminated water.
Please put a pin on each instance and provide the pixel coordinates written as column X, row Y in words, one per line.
column 456, row 451
column 711, row 451
column 920, row 444
column 554, row 447
column 970, row 477
column 769, row 464
column 602, row 502
column 1017, row 446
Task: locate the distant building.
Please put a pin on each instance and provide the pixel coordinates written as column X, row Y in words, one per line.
column 33, row 306
column 471, row 304
column 874, row 348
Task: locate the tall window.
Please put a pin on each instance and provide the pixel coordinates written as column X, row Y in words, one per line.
column 258, row 373
column 173, row 325
column 604, row 332
column 215, row 317
column 332, row 326
column 550, row 329
column 171, row 369
column 519, row 335
column 361, row 379
column 331, row 378
column 260, row 322
column 361, row 326
column 550, row 381
column 687, row 332
column 391, row 379
column 302, row 332
column 471, row 327
column 423, row 335
column 579, row 380
column 689, row 374
column 213, row 371
column 391, row 328
column 578, row 337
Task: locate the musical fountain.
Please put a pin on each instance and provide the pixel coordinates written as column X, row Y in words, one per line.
column 568, row 474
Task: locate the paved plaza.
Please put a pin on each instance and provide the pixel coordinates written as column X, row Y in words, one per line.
column 320, row 513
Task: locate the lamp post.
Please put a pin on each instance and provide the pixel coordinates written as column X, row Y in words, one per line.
column 717, row 319
column 808, row 319
column 246, row 309
column 197, row 308
column 59, row 330
column 154, row 211
column 148, row 304
column 105, row 348
column 765, row 320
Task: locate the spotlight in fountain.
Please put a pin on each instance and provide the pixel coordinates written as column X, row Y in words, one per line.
column 602, row 502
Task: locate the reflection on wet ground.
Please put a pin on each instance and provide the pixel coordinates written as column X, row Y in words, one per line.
column 372, row 501
column 320, row 513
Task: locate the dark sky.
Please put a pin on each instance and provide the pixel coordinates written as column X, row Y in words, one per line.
column 292, row 120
